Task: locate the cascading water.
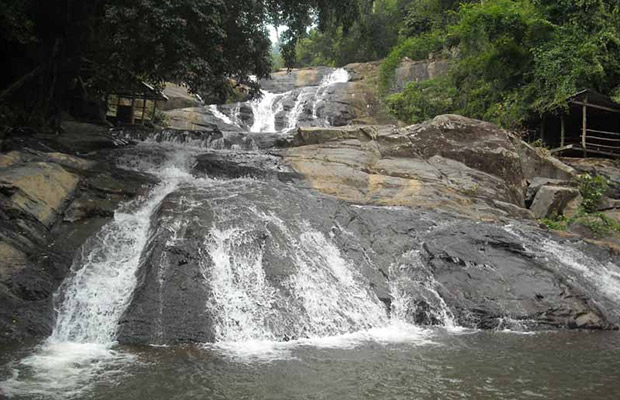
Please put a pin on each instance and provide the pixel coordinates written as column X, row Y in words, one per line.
column 414, row 290
column 338, row 76
column 304, row 101
column 220, row 115
column 265, row 110
column 94, row 296
column 273, row 277
column 323, row 297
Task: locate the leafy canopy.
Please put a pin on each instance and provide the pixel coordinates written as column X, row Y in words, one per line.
column 511, row 60
column 58, row 49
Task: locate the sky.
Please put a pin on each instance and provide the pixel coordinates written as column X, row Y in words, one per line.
column 273, row 34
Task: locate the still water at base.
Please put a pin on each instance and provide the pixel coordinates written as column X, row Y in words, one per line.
column 398, row 362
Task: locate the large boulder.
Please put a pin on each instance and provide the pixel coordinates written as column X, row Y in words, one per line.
column 178, row 97
column 240, row 259
column 39, row 190
column 451, row 163
column 538, row 162
column 416, row 71
column 551, row 201
column 490, row 280
column 191, row 119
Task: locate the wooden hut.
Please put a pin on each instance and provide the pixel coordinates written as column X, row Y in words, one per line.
column 590, row 126
column 133, row 104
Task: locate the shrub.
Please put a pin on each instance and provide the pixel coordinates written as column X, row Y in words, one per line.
column 591, row 189
column 415, row 48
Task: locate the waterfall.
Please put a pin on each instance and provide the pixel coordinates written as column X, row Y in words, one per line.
column 415, row 294
column 265, row 110
column 96, row 293
column 338, row 76
column 304, row 95
column 305, row 101
column 240, row 294
column 220, row 115
column 605, row 278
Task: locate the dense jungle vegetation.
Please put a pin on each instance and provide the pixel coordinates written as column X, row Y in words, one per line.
column 59, row 55
column 510, row 60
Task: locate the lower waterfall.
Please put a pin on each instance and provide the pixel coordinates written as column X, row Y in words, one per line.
column 232, row 269
column 328, row 301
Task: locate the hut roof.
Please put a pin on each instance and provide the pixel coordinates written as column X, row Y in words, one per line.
column 139, row 90
column 594, row 99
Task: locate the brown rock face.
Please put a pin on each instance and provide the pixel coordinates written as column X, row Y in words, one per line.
column 552, row 200
column 38, row 189
column 50, row 203
column 452, row 163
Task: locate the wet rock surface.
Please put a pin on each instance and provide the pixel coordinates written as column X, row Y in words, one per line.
column 429, row 221
column 51, row 201
column 478, row 275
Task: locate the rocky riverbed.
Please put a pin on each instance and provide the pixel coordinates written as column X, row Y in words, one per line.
column 314, row 227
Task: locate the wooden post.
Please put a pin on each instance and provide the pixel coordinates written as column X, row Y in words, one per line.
column 133, row 104
column 584, row 128
column 154, row 110
column 562, row 130
column 143, row 108
column 118, row 104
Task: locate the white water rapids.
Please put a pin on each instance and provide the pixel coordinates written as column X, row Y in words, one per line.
column 306, row 102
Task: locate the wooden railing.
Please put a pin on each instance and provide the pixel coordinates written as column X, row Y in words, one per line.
column 602, row 142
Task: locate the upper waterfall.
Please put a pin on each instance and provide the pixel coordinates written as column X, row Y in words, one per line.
column 274, row 112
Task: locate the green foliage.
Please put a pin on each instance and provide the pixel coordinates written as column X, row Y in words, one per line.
column 599, row 224
column 422, row 100
column 60, row 50
column 160, row 118
column 556, row 223
column 15, row 25
column 591, row 189
column 512, row 60
column 414, row 48
column 370, row 37
column 318, row 49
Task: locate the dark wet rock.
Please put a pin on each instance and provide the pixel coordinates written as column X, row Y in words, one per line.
column 486, row 274
column 480, row 275
column 284, row 81
column 243, row 165
column 51, row 202
column 169, row 303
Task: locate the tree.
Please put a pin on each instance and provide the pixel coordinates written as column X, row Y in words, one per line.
column 63, row 49
column 370, row 37
column 514, row 60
